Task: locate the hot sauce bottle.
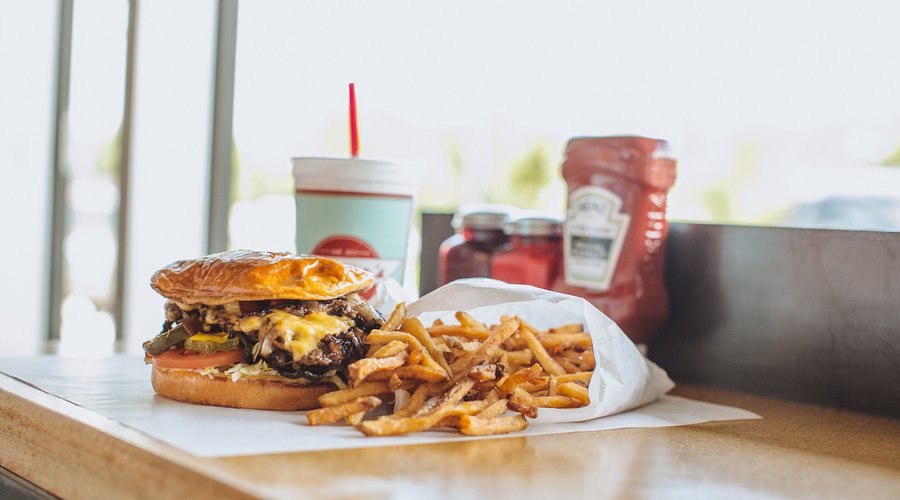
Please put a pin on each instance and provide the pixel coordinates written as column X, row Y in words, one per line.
column 615, row 229
column 532, row 257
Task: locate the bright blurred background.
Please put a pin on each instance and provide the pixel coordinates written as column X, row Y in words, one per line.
column 780, row 113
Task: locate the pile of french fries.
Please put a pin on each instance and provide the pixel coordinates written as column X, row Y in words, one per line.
column 475, row 378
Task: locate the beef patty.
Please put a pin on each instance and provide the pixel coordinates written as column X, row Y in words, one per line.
column 332, row 354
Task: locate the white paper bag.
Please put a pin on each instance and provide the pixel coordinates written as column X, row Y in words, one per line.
column 623, row 378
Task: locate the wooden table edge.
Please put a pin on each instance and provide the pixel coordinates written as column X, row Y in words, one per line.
column 42, row 438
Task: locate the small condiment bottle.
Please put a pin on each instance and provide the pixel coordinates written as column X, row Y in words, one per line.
column 467, row 254
column 532, row 257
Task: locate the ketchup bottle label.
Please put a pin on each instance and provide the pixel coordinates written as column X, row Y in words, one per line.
column 593, row 235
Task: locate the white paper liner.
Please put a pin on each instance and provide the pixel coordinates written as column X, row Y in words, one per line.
column 118, row 388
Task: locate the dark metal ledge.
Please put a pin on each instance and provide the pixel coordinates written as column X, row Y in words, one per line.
column 14, row 487
column 807, row 315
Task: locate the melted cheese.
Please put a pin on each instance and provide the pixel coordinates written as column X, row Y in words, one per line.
column 250, row 324
column 210, row 337
column 302, row 334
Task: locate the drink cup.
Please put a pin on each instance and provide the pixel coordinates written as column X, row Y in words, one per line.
column 357, row 211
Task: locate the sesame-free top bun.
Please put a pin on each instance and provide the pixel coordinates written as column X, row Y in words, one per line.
column 262, row 394
column 249, row 275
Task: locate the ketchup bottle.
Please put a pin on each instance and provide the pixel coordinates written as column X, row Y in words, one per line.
column 615, row 231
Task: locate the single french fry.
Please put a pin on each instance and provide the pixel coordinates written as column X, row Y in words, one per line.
column 588, row 361
column 449, row 421
column 575, row 377
column 333, row 413
column 552, row 385
column 569, row 366
column 415, row 328
column 437, row 322
column 391, row 348
column 532, row 387
column 540, row 354
column 465, row 319
column 459, row 331
column 521, row 397
column 396, row 318
column 575, row 391
column 522, row 357
column 421, row 372
column 360, row 370
column 529, row 374
column 556, row 341
column 344, row 395
column 495, row 409
column 381, row 337
column 570, row 328
column 570, row 355
column 477, row 426
column 392, row 426
column 411, row 372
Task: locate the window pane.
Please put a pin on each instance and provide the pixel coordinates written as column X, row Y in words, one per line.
column 28, row 58
column 92, row 163
column 170, row 150
column 778, row 114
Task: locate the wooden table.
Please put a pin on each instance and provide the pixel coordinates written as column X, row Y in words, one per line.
column 795, row 451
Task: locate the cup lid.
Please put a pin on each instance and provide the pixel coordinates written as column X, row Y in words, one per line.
column 355, row 175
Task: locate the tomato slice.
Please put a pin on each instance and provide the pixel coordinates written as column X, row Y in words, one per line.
column 179, row 358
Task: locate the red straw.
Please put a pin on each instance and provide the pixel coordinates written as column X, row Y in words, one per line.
column 354, row 130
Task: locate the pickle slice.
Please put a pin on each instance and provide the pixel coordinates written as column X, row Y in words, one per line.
column 162, row 342
column 201, row 347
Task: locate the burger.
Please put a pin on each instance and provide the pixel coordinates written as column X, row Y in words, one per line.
column 249, row 329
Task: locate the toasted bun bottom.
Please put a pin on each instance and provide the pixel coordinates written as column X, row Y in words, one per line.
column 262, row 394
